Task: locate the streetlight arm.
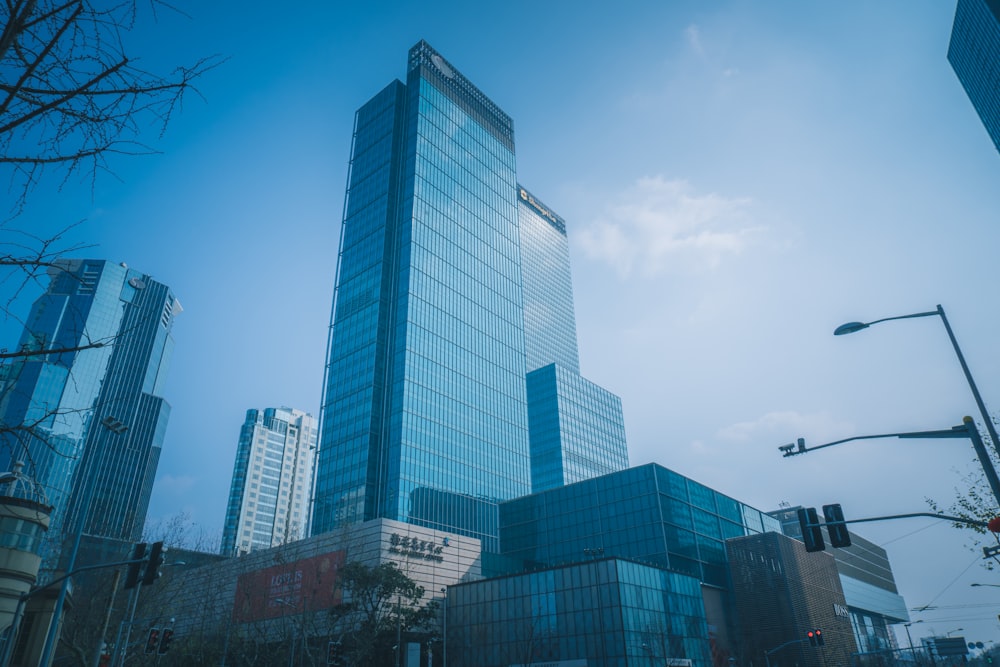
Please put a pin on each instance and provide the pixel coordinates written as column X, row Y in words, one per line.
column 852, row 327
column 953, row 433
column 905, row 317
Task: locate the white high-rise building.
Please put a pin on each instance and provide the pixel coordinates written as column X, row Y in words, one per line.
column 272, row 477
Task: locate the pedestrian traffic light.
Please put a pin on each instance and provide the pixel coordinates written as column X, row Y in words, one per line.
column 812, row 638
column 152, row 640
column 819, row 638
column 152, row 572
column 812, row 532
column 168, row 636
column 132, row 574
column 335, row 654
column 836, row 528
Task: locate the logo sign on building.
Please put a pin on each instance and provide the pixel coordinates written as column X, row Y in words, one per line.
column 841, row 611
column 289, row 588
column 414, row 547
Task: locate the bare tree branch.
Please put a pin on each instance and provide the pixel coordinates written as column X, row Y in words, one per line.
column 69, row 94
column 20, row 354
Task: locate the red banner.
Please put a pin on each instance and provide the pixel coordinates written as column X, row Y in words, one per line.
column 309, row 584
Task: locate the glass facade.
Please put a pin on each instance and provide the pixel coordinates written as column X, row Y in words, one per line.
column 974, row 54
column 577, row 429
column 92, row 415
column 425, row 392
column 268, row 498
column 453, row 281
column 606, row 612
column 648, row 513
column 549, row 319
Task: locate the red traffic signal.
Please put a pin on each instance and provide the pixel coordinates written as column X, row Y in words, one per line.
column 812, row 637
column 152, row 640
column 168, row 636
column 819, row 638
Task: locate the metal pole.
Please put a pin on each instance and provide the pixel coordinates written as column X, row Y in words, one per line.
column 399, row 630
column 909, row 641
column 121, row 648
column 990, row 428
column 444, row 639
column 15, row 624
column 984, row 457
column 107, row 620
column 90, row 481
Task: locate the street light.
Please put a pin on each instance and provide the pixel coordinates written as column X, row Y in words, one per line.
column 992, row 585
column 948, row 634
column 117, row 428
column 909, row 640
column 852, row 327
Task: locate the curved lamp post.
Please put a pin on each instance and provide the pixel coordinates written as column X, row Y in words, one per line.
column 908, row 639
column 852, row 327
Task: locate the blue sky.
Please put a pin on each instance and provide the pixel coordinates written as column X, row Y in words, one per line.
column 738, row 179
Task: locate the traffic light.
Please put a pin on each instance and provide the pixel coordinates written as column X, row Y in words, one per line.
column 334, row 654
column 812, row 638
column 132, row 575
column 152, row 640
column 168, row 636
column 152, row 572
column 819, row 638
column 812, row 533
column 835, row 526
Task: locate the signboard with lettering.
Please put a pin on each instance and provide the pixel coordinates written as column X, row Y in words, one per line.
column 841, row 611
column 288, row 588
column 414, row 547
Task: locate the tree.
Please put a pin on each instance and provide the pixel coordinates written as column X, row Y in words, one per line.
column 381, row 605
column 69, row 94
column 974, row 501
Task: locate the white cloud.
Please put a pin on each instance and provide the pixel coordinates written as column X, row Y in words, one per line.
column 693, row 35
column 658, row 223
column 785, row 426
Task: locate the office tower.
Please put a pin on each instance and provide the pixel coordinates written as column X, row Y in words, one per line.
column 974, row 54
column 576, row 427
column 87, row 417
column 441, row 307
column 272, row 476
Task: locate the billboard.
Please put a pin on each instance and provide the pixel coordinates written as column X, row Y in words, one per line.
column 308, row 584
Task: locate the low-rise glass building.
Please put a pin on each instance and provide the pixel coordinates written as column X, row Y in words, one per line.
column 612, row 612
column 647, row 513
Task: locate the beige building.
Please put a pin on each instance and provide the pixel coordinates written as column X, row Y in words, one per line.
column 269, row 496
column 271, row 594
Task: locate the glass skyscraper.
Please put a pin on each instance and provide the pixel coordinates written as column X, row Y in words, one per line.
column 974, row 54
column 451, row 286
column 269, row 496
column 86, row 414
column 576, row 427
